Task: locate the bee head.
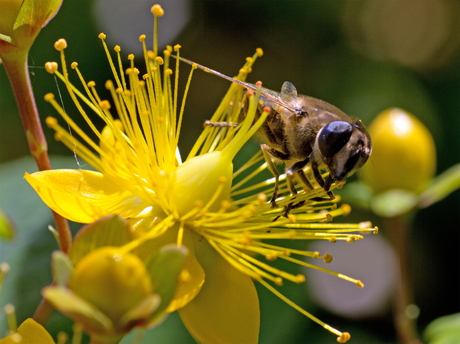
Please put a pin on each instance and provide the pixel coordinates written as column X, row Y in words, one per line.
column 344, row 147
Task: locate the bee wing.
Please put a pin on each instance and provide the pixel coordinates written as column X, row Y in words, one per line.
column 288, row 92
column 265, row 93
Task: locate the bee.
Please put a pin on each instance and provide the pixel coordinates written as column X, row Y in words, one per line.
column 300, row 130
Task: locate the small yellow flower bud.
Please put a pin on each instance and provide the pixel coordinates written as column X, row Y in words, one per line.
column 404, row 155
column 111, row 280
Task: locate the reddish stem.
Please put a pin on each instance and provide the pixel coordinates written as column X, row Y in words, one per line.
column 398, row 233
column 18, row 73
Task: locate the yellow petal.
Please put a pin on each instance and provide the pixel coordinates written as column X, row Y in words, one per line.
column 31, row 332
column 186, row 290
column 227, row 308
column 84, row 196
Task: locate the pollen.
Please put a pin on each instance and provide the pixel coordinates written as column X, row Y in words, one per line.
column 327, row 258
column 299, row 278
column 60, row 44
column 259, row 52
column 346, row 209
column 177, row 47
column 74, row 65
column 91, row 84
column 141, row 38
column 49, row 97
column 376, row 230
column 344, row 337
column 279, row 281
column 150, row 55
column 157, row 10
column 159, row 60
column 292, row 218
column 272, row 255
column 168, row 71
column 359, row 284
column 166, row 52
column 262, row 198
column 316, row 254
column 131, row 57
column 51, row 67
column 102, row 35
column 249, row 59
column 194, row 66
column 105, row 105
column 267, row 109
column 117, row 48
column 333, row 239
column 145, row 76
column 50, row 121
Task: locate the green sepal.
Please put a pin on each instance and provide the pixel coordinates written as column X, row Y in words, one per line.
column 61, row 268
column 36, row 13
column 6, row 226
column 444, row 330
column 66, row 302
column 394, row 202
column 111, row 230
column 164, row 268
column 141, row 311
column 441, row 186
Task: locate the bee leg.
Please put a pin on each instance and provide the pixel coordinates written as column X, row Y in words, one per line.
column 320, row 180
column 271, row 166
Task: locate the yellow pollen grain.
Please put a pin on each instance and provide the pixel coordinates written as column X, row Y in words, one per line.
column 366, row 224
column 262, row 198
column 346, row 209
column 153, row 69
column 145, row 76
column 50, row 121
column 292, row 218
column 141, row 84
column 376, row 230
column 57, row 136
column 51, row 67
column 157, row 10
column 299, row 278
column 150, row 54
column 91, row 84
column 49, row 97
column 60, row 44
column 105, row 105
column 344, row 337
column 194, row 66
column 334, row 206
column 74, row 65
column 170, row 48
column 128, row 71
column 167, row 53
column 117, row 48
column 333, row 239
column 272, row 255
column 185, row 275
column 259, row 52
column 249, row 59
column 279, row 281
column 225, row 204
column 287, row 253
column 128, row 93
column 327, row 258
column 141, row 38
column 159, row 60
column 102, row 36
column 359, row 284
column 177, row 47
column 119, row 90
column 316, row 254
column 131, row 57
column 168, row 71
column 136, row 71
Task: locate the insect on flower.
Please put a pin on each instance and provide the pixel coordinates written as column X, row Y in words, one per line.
column 301, row 130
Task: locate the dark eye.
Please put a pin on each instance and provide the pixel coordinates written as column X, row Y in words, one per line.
column 333, row 137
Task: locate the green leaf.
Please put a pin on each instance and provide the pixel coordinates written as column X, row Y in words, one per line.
column 393, row 203
column 441, row 186
column 111, row 230
column 444, row 330
column 164, row 268
column 61, row 267
column 36, row 13
column 6, row 226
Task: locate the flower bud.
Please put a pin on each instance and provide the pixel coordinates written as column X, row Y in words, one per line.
column 404, row 154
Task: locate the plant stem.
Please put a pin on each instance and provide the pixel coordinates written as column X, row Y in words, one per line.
column 18, row 73
column 398, row 232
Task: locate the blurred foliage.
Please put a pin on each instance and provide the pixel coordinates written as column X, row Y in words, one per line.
column 303, row 42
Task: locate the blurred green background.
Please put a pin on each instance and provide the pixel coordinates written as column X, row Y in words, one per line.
column 362, row 56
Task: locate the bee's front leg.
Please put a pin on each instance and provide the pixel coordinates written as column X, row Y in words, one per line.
column 325, row 185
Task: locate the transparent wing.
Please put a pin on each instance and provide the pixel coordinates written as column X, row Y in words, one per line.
column 288, row 92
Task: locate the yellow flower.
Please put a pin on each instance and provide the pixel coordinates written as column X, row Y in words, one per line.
column 197, row 203
column 29, row 332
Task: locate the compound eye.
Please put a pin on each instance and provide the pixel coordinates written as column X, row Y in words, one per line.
column 333, row 137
